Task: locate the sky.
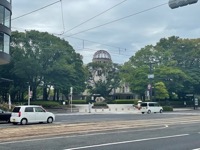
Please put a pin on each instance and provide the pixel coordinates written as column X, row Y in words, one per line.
column 92, row 25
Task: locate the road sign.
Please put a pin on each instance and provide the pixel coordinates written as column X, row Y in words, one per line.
column 150, row 76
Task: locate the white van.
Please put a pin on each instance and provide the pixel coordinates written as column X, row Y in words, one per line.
column 148, row 107
column 31, row 114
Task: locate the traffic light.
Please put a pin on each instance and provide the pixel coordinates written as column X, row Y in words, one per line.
column 179, row 3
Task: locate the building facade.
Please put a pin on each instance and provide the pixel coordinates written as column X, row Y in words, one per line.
column 123, row 91
column 5, row 30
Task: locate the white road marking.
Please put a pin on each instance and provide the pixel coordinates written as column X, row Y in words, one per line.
column 197, row 149
column 71, row 136
column 125, row 142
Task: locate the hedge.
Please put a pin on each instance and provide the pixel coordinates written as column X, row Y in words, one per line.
column 46, row 104
column 125, row 101
column 167, row 108
column 100, row 105
column 79, row 102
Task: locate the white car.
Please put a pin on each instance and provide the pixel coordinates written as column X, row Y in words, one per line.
column 148, row 107
column 31, row 114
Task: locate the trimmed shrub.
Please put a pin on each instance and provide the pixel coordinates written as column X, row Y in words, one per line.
column 124, row 101
column 100, row 105
column 79, row 102
column 46, row 104
column 167, row 108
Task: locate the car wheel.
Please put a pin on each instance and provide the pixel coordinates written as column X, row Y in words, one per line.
column 142, row 112
column 149, row 111
column 161, row 111
column 50, row 120
column 24, row 121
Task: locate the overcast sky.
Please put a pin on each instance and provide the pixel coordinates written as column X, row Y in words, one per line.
column 124, row 37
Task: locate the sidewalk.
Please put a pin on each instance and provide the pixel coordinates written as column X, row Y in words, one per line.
column 112, row 108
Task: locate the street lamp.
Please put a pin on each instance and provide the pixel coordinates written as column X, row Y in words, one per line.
column 152, row 60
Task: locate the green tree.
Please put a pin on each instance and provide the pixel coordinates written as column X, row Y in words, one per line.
column 161, row 91
column 41, row 59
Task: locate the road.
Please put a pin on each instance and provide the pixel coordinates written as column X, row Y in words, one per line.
column 154, row 131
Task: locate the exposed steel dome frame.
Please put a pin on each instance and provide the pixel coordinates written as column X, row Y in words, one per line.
column 101, row 55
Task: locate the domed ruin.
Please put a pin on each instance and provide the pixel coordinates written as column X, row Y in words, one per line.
column 101, row 56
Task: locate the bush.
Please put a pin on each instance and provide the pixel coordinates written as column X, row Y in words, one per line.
column 79, row 102
column 167, row 108
column 46, row 104
column 124, row 101
column 5, row 106
column 100, row 105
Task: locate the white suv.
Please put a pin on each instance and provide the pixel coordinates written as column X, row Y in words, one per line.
column 31, row 114
column 148, row 107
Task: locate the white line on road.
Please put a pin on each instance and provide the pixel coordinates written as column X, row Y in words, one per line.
column 124, row 142
column 197, row 149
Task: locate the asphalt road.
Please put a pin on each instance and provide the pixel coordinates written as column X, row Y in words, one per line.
column 184, row 137
column 174, row 135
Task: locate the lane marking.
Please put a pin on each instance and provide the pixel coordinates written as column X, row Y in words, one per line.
column 197, row 149
column 72, row 136
column 125, row 142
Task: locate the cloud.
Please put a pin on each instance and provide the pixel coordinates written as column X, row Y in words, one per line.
column 123, row 38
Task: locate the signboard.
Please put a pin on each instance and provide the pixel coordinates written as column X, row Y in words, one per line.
column 150, row 76
column 196, row 102
column 149, row 86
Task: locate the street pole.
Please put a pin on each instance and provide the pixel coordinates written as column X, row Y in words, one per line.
column 150, row 77
column 29, row 95
column 71, row 91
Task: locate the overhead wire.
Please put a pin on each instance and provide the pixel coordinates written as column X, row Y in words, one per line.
column 36, row 10
column 71, row 36
column 116, row 20
column 95, row 16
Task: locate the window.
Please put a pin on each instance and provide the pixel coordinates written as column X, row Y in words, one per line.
column 1, row 41
column 144, row 104
column 99, row 73
column 39, row 109
column 16, row 109
column 6, row 43
column 151, row 104
column 7, row 18
column 29, row 109
column 1, row 14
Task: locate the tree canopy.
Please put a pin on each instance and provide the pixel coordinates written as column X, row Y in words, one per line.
column 42, row 59
column 174, row 61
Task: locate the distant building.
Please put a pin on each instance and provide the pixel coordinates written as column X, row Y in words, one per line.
column 122, row 92
column 5, row 30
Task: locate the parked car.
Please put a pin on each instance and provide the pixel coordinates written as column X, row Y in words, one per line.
column 31, row 114
column 4, row 116
column 148, row 107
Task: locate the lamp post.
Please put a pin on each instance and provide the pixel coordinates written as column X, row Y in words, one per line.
column 71, row 91
column 151, row 61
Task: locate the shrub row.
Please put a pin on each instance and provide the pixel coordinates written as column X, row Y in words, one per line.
column 167, row 108
column 100, row 105
column 79, row 102
column 46, row 104
column 124, row 101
